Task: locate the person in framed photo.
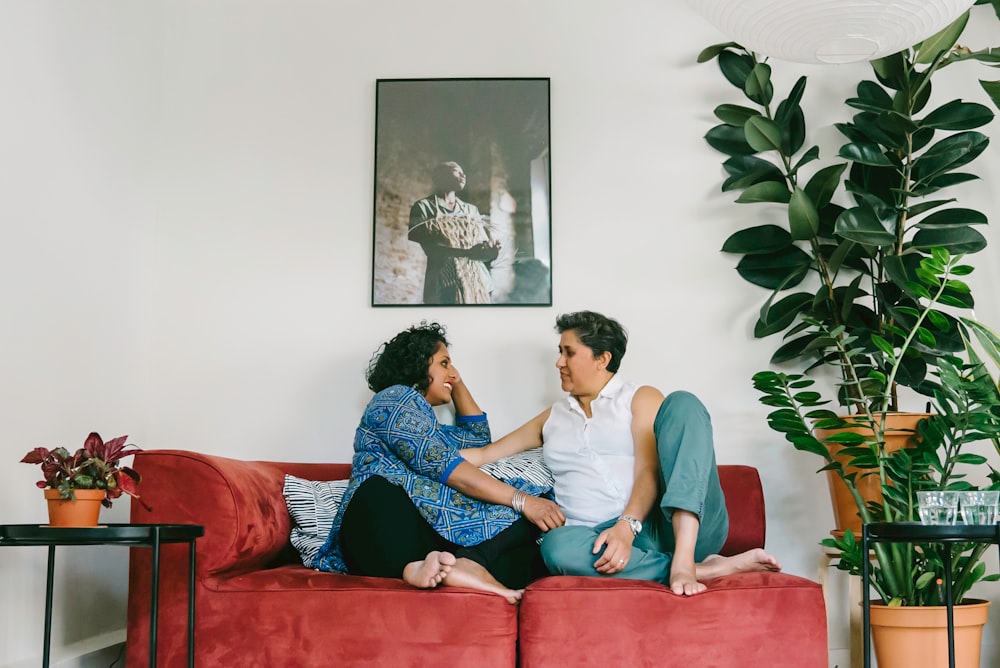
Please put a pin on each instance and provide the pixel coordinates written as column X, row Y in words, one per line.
column 456, row 239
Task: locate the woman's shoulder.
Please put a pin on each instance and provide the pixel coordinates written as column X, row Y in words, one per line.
column 398, row 395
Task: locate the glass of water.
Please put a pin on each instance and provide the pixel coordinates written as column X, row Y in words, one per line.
column 938, row 507
column 979, row 507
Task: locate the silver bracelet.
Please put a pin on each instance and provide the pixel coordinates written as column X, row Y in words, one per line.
column 517, row 501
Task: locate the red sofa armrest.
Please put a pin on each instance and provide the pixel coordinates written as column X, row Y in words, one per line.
column 239, row 503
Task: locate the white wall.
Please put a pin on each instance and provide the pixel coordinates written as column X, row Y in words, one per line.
column 187, row 204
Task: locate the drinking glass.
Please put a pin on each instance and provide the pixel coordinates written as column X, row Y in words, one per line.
column 937, row 507
column 979, row 507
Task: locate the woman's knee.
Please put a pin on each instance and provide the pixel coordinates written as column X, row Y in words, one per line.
column 566, row 550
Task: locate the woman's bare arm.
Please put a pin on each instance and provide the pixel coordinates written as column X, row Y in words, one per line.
column 470, row 481
column 525, row 437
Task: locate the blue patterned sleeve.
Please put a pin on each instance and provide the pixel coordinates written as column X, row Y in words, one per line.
column 411, row 431
column 470, row 431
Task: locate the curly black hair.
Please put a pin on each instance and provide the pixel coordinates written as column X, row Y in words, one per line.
column 404, row 359
column 598, row 332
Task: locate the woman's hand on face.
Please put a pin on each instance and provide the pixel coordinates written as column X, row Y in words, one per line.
column 617, row 543
column 543, row 513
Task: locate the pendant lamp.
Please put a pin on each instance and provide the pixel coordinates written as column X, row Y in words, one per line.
column 829, row 31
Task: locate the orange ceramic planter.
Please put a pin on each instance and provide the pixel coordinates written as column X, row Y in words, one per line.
column 900, row 429
column 917, row 636
column 83, row 512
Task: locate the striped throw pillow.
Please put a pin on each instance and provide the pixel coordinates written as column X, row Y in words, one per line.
column 312, row 506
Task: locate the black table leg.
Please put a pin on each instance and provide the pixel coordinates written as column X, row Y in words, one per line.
column 866, row 597
column 191, row 564
column 49, row 573
column 950, row 605
column 154, row 597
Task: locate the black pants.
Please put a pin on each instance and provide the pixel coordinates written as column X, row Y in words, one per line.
column 382, row 531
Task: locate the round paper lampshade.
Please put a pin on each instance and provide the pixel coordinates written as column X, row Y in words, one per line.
column 829, row 31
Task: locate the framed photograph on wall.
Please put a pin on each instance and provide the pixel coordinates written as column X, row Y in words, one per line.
column 462, row 212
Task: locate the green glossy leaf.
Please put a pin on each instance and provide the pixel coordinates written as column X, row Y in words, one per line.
column 757, row 240
column 779, row 315
column 790, row 119
column 793, row 349
column 766, row 191
column 942, row 181
column 862, row 226
column 710, row 52
column 734, row 114
column 762, row 134
column 786, row 267
column 958, row 115
column 958, row 240
column 746, row 170
column 943, row 40
column 917, row 209
column 896, row 124
column 952, row 218
column 866, row 154
column 824, row 184
column 729, row 140
column 803, row 219
column 735, row 67
column 807, row 157
column 758, row 84
column 948, row 154
column 890, row 69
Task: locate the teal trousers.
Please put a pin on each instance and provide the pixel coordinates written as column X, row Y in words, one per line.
column 689, row 480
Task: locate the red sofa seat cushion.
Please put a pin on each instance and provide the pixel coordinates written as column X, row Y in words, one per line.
column 747, row 619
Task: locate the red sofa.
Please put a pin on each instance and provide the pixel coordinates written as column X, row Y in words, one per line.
column 257, row 605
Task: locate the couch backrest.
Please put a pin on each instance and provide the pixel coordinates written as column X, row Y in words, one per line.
column 246, row 522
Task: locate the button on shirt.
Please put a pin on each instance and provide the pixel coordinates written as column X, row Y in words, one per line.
column 592, row 459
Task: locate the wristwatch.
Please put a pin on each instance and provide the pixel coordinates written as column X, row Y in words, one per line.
column 633, row 523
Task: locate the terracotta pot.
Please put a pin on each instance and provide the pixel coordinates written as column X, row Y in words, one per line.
column 917, row 637
column 83, row 512
column 845, row 511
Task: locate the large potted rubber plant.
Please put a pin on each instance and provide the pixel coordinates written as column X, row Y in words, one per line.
column 865, row 271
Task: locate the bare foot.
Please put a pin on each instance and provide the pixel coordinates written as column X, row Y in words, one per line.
column 746, row 562
column 429, row 572
column 469, row 574
column 684, row 579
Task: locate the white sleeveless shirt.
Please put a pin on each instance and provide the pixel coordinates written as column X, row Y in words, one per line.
column 592, row 459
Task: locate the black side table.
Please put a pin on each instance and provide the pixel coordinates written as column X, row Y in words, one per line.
column 132, row 535
column 915, row 532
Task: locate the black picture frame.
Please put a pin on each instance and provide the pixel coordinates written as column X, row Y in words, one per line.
column 439, row 240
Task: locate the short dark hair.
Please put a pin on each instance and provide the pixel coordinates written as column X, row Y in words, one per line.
column 598, row 332
column 403, row 360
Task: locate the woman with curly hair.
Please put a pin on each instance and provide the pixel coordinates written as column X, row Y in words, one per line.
column 414, row 508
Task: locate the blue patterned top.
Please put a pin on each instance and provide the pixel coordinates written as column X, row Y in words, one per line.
column 400, row 439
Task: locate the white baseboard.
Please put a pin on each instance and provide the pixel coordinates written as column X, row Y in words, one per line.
column 96, row 652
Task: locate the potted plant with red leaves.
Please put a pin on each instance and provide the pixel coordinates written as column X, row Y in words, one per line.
column 84, row 480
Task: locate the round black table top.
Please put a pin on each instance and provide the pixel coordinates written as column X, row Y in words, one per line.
column 104, row 534
column 915, row 531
